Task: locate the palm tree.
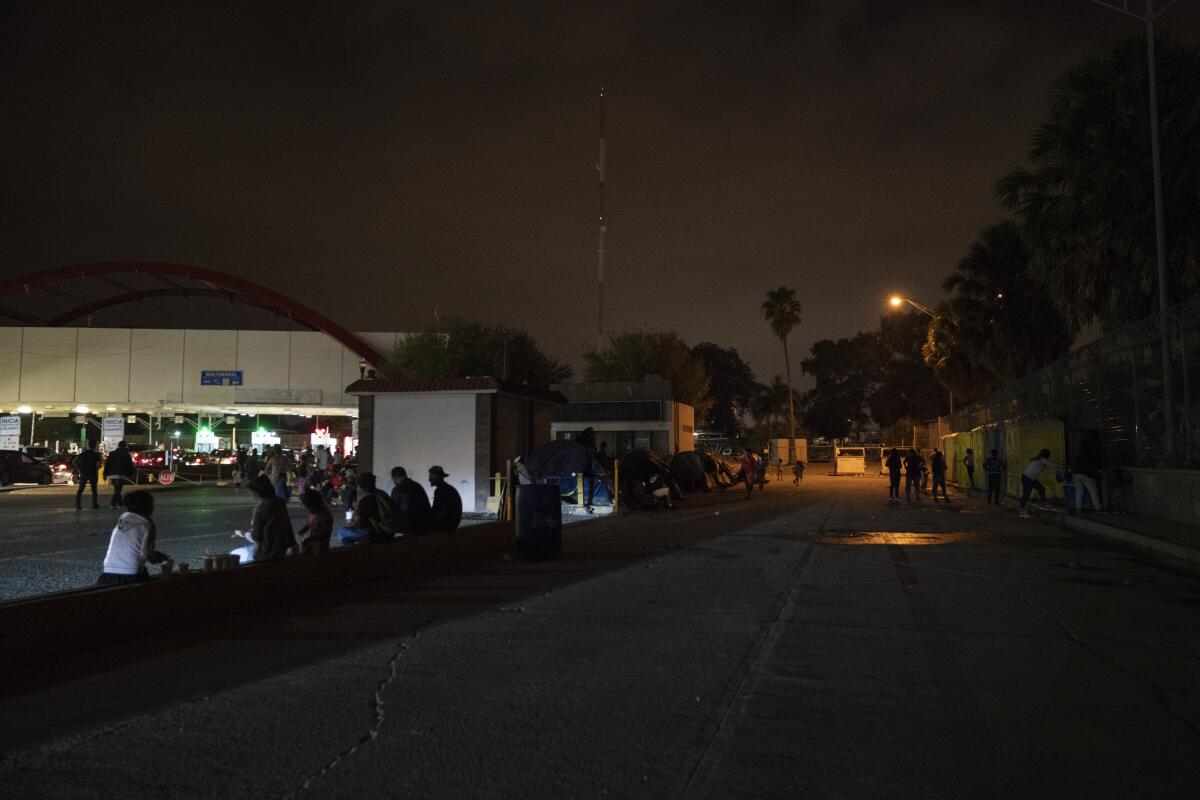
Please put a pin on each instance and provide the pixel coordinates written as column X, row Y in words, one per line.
column 1085, row 201
column 769, row 403
column 782, row 312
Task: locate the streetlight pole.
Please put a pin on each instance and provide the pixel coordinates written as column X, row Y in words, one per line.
column 896, row 301
column 1160, row 233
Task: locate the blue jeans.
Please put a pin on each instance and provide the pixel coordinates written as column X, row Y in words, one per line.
column 939, row 479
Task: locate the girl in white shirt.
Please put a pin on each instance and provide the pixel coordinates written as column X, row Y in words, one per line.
column 131, row 546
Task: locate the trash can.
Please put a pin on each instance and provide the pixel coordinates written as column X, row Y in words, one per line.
column 539, row 521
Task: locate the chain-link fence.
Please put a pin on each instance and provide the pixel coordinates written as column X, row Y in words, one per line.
column 1115, row 386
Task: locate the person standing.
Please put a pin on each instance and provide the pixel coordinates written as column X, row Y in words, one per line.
column 1030, row 479
column 779, row 469
column 446, row 511
column 797, row 472
column 894, row 464
column 912, row 474
column 253, row 466
column 321, row 464
column 1087, row 471
column 969, row 463
column 87, row 464
column 748, row 472
column 118, row 469
column 993, row 465
column 938, row 467
column 239, row 468
column 276, row 472
column 410, row 504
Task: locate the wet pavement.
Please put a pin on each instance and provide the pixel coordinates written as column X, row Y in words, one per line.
column 813, row 642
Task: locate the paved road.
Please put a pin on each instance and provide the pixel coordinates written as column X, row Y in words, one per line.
column 809, row 643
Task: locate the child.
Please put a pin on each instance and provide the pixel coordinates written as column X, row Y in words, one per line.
column 314, row 536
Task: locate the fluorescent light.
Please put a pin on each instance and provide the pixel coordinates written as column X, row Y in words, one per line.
column 24, row 410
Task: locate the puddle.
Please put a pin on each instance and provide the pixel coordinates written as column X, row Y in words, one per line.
column 922, row 538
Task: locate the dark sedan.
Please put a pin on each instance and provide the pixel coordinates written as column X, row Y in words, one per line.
column 16, row 467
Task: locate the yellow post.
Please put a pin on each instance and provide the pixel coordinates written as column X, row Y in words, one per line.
column 578, row 488
column 616, row 485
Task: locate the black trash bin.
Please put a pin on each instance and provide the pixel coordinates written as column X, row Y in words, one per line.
column 539, row 521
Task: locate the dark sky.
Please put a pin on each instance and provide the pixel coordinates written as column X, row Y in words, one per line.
column 378, row 160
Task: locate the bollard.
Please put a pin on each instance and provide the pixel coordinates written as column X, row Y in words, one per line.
column 579, row 489
column 616, row 486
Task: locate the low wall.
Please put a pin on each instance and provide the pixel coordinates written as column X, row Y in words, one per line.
column 41, row 627
column 1171, row 494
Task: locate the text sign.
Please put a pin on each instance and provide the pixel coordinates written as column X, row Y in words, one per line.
column 211, row 377
column 10, row 433
column 113, row 429
column 166, row 478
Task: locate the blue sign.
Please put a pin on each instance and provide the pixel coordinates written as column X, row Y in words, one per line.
column 231, row 377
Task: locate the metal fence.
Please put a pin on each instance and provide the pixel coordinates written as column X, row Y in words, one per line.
column 1115, row 386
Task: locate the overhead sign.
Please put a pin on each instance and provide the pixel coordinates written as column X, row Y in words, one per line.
column 112, row 431
column 206, row 441
column 231, row 420
column 131, row 419
column 10, row 433
column 215, row 377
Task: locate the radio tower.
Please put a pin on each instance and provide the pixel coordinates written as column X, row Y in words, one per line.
column 603, row 231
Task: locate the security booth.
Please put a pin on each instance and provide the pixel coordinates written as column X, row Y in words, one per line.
column 468, row 426
column 850, row 461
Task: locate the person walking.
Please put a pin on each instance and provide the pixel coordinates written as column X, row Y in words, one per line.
column 894, row 464
column 749, row 471
column 938, row 468
column 969, row 463
column 797, row 472
column 912, row 474
column 446, row 511
column 762, row 472
column 1030, row 479
column 118, row 469
column 1087, row 471
column 993, row 466
column 87, row 464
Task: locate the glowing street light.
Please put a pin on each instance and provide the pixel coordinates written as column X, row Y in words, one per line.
column 897, row 301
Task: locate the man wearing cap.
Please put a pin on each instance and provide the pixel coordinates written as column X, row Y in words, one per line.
column 447, row 505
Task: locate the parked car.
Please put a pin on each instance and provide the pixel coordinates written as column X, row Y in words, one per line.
column 148, row 458
column 38, row 453
column 225, row 456
column 18, row 467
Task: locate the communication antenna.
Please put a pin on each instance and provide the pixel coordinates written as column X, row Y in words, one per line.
column 603, row 231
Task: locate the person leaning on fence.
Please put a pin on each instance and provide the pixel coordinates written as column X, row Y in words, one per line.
column 131, row 546
column 1030, row 482
column 993, row 465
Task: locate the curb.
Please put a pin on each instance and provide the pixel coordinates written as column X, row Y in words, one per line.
column 1180, row 551
column 1084, row 525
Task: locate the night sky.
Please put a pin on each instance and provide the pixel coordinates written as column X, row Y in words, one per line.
column 380, row 160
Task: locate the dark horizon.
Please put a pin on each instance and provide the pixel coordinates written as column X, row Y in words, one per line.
column 391, row 161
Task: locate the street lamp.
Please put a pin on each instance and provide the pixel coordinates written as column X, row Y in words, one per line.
column 896, row 301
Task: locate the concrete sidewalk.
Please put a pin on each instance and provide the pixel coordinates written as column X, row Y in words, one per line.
column 1170, row 538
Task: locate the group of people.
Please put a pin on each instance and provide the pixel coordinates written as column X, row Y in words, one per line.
column 376, row 517
column 754, row 471
column 917, row 472
column 118, row 470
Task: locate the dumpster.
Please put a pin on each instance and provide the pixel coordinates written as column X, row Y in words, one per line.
column 539, row 521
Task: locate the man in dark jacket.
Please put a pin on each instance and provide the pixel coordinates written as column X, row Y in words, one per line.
column 912, row 473
column 446, row 512
column 410, row 504
column 118, row 469
column 372, row 518
column 938, row 468
column 87, row 464
column 271, row 526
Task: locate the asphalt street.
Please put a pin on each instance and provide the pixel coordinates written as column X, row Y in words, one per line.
column 812, row 642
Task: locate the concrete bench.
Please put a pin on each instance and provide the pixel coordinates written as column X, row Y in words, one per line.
column 44, row 626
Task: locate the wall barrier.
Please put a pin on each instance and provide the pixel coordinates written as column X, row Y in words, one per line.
column 37, row 628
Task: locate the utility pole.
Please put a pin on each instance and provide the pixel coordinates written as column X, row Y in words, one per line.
column 1160, row 233
column 603, row 232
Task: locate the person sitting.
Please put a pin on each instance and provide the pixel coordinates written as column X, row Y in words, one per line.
column 314, row 536
column 270, row 533
column 131, row 546
column 410, row 504
column 372, row 520
column 446, row 512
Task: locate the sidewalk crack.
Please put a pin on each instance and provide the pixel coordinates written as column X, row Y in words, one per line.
column 378, row 710
column 1161, row 692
